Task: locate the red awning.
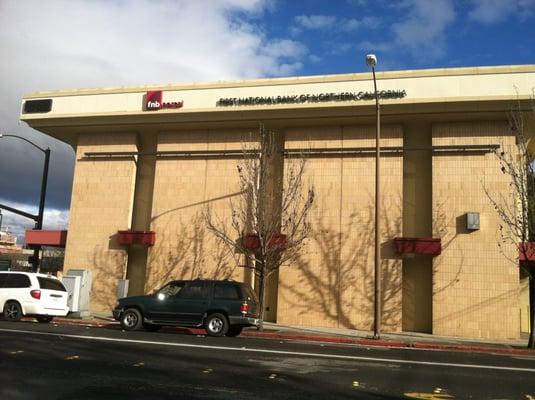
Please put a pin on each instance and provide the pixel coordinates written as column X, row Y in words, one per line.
column 142, row 238
column 410, row 245
column 46, row 238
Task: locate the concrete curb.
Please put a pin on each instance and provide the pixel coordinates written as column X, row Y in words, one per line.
column 326, row 339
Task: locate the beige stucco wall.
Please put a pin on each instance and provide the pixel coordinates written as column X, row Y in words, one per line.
column 475, row 287
column 332, row 283
column 417, row 222
column 101, row 205
column 183, row 189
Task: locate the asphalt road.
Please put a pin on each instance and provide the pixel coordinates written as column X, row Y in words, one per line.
column 75, row 362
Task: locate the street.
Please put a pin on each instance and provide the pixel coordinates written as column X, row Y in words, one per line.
column 78, row 362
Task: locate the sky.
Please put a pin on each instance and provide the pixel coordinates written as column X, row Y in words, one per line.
column 69, row 44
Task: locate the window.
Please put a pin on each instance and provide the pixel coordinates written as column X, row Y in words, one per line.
column 3, row 279
column 51, row 284
column 17, row 281
column 195, row 291
column 171, row 289
column 250, row 293
column 226, row 291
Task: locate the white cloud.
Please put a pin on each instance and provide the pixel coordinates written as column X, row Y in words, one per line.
column 493, row 11
column 315, row 21
column 64, row 44
column 279, row 49
column 371, row 22
column 72, row 43
column 323, row 22
column 351, row 24
column 372, row 47
column 422, row 32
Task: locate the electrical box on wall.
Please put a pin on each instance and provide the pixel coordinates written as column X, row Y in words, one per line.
column 472, row 221
column 122, row 288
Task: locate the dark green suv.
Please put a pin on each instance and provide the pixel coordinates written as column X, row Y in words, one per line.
column 221, row 307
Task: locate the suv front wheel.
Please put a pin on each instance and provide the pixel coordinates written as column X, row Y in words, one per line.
column 216, row 324
column 131, row 319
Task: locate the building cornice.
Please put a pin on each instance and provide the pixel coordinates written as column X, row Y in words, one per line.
column 385, row 75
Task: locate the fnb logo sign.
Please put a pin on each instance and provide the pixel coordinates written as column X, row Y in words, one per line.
column 153, row 101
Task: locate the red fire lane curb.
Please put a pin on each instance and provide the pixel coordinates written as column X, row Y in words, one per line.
column 331, row 339
column 471, row 349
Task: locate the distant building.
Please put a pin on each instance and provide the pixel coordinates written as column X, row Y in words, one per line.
column 10, row 252
column 151, row 158
column 8, row 242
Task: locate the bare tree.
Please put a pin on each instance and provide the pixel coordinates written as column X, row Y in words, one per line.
column 517, row 212
column 269, row 221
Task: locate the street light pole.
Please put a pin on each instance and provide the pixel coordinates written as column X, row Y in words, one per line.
column 371, row 61
column 44, row 182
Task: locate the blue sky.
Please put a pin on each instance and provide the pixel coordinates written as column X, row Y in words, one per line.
column 405, row 34
column 65, row 44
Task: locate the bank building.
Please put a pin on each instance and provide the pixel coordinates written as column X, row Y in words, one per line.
column 150, row 158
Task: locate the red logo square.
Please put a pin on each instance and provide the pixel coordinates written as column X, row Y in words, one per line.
column 153, row 100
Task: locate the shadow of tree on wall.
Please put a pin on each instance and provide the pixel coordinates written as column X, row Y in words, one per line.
column 448, row 236
column 343, row 289
column 109, row 265
column 184, row 250
column 452, row 228
column 188, row 252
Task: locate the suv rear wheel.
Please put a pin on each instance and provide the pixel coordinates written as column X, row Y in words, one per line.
column 12, row 311
column 131, row 319
column 216, row 325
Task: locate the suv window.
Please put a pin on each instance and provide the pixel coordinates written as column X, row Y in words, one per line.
column 3, row 279
column 250, row 293
column 226, row 291
column 51, row 284
column 195, row 291
column 171, row 289
column 17, row 281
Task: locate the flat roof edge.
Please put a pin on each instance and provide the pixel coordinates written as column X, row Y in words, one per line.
column 34, row 120
column 435, row 72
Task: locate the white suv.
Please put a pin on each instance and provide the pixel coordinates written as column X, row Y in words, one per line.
column 37, row 295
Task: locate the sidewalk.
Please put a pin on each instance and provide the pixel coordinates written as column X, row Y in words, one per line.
column 350, row 336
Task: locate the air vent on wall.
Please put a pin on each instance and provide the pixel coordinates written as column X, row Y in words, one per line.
column 37, row 106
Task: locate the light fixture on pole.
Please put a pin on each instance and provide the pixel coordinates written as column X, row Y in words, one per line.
column 371, row 61
column 39, row 217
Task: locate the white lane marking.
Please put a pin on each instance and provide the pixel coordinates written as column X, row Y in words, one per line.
column 280, row 352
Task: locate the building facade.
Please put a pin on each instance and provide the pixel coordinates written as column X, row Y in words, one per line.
column 153, row 158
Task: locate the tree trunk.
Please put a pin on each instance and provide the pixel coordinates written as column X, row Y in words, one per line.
column 262, row 299
column 531, row 342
